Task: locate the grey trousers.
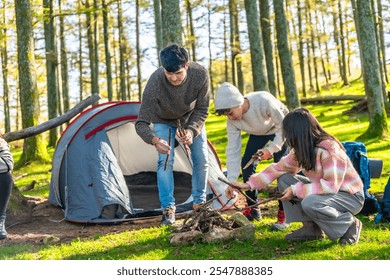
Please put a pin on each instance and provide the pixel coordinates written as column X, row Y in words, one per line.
column 333, row 213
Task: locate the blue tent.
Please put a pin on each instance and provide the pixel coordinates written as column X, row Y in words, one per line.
column 103, row 172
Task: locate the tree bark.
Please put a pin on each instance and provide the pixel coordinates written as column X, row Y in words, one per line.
column 300, row 48
column 371, row 74
column 265, row 23
column 171, row 23
column 138, row 49
column 259, row 73
column 107, row 51
column 4, row 69
column 158, row 27
column 51, row 68
column 34, row 147
column 286, row 64
column 342, row 45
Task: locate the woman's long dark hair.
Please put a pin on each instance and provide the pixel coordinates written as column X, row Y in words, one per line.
column 303, row 133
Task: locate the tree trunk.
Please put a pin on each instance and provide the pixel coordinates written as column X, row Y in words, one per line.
column 318, row 37
column 313, row 47
column 235, row 46
column 336, row 36
column 158, row 27
column 171, row 23
column 300, row 48
column 209, row 48
column 286, row 64
column 51, row 68
column 259, row 73
column 122, row 53
column 95, row 82
column 138, row 50
column 377, row 39
column 91, row 46
column 308, row 48
column 107, row 51
column 191, row 38
column 80, row 59
column 328, row 67
column 64, row 64
column 344, row 75
column 265, row 23
column 371, row 74
column 225, row 45
column 382, row 38
column 4, row 69
column 34, row 147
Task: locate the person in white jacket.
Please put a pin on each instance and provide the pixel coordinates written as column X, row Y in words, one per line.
column 260, row 115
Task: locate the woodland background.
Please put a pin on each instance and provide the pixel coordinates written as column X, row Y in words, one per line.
column 55, row 53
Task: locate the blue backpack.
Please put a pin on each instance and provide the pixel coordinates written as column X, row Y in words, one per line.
column 384, row 211
column 357, row 152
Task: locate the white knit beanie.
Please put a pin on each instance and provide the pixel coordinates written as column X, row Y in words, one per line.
column 227, row 97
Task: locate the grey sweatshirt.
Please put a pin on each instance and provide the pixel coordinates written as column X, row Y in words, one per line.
column 264, row 117
column 164, row 103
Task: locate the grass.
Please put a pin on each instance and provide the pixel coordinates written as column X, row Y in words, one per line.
column 153, row 243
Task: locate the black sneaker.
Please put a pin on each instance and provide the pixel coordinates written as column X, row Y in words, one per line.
column 168, row 217
column 252, row 214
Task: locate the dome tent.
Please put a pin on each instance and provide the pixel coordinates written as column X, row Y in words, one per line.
column 102, row 171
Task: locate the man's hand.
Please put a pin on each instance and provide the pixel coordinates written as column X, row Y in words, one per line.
column 162, row 146
column 187, row 137
column 233, row 191
column 287, row 195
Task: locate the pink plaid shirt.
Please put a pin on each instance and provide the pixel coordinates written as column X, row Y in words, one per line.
column 333, row 172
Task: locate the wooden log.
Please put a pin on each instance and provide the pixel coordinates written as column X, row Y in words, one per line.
column 34, row 130
column 332, row 99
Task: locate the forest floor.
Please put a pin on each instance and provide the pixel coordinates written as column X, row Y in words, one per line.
column 47, row 223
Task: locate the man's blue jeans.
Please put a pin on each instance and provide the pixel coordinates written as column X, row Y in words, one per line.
column 199, row 157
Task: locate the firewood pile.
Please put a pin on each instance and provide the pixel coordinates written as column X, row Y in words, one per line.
column 206, row 225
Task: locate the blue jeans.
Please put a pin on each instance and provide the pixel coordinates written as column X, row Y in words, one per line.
column 200, row 166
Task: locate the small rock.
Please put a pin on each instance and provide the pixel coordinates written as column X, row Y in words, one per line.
column 186, row 238
column 51, row 239
column 240, row 219
column 217, row 235
column 243, row 233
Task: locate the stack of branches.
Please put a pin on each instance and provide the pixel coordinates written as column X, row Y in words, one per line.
column 204, row 219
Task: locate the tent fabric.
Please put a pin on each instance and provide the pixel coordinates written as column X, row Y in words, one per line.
column 103, row 172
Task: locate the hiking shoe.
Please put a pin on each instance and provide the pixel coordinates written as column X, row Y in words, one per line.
column 168, row 217
column 281, row 222
column 3, row 232
column 309, row 231
column 352, row 235
column 252, row 214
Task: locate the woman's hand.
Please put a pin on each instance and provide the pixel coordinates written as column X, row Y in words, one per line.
column 287, row 195
column 233, row 191
column 265, row 154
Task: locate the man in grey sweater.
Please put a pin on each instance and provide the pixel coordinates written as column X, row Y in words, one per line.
column 177, row 92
